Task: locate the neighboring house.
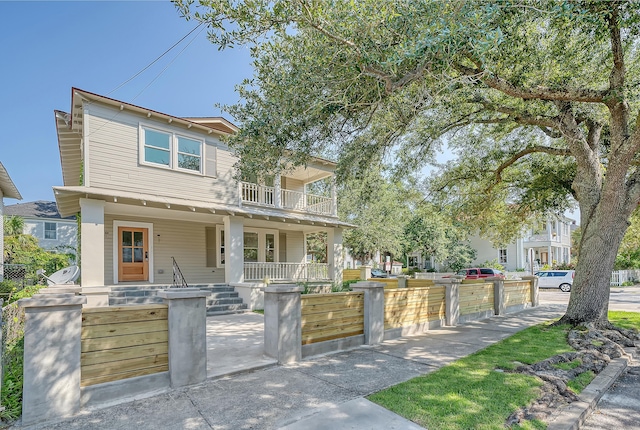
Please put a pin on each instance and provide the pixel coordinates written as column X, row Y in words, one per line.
column 151, row 188
column 7, row 190
column 43, row 221
column 548, row 242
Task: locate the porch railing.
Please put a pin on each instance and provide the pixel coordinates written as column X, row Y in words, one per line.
column 286, row 271
column 178, row 279
column 289, row 199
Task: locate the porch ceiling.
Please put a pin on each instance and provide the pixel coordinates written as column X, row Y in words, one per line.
column 68, row 199
column 314, row 171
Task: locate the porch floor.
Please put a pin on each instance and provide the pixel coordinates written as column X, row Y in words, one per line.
column 235, row 343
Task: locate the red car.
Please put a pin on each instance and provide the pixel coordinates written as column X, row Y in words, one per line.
column 477, row 273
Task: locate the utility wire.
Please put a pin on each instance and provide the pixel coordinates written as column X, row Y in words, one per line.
column 157, row 59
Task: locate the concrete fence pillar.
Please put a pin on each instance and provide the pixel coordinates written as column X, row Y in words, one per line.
column 282, row 323
column 535, row 298
column 452, row 300
column 51, row 386
column 402, row 281
column 499, row 304
column 373, row 310
column 365, row 272
column 187, row 335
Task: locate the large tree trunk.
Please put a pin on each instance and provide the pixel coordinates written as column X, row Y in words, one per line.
column 601, row 238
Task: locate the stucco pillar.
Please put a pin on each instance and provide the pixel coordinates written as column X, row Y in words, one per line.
column 282, row 323
column 53, row 325
column 452, row 300
column 334, row 254
column 373, row 310
column 187, row 335
column 535, row 297
column 498, row 296
column 92, row 242
column 365, row 272
column 234, row 249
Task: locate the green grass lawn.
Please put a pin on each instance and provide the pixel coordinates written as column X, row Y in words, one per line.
column 473, row 392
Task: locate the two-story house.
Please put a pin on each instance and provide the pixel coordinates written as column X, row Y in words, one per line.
column 43, row 221
column 7, row 190
column 152, row 189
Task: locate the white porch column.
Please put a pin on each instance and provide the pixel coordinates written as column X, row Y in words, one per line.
column 277, row 198
column 549, row 255
column 234, row 249
column 334, row 197
column 1, row 235
column 92, row 242
column 334, row 254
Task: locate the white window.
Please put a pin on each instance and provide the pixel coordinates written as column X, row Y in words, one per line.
column 50, row 230
column 502, row 256
column 176, row 151
column 260, row 245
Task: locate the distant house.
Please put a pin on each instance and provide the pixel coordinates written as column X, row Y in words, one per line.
column 548, row 242
column 7, row 190
column 43, row 221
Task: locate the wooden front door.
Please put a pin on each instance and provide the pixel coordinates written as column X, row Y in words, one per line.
column 133, row 254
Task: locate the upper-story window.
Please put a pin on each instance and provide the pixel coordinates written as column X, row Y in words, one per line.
column 50, row 231
column 502, row 256
column 174, row 151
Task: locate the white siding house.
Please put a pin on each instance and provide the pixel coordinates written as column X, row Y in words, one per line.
column 153, row 189
column 43, row 221
column 7, row 190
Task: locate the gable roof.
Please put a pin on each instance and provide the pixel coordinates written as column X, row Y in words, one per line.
column 37, row 209
column 7, row 186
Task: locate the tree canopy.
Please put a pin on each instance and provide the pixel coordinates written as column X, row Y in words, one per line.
column 538, row 98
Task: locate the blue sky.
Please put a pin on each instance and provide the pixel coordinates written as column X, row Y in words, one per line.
column 48, row 47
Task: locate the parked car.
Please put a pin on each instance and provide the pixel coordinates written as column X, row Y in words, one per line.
column 482, row 272
column 562, row 279
column 377, row 273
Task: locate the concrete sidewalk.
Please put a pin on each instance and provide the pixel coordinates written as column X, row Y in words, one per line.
column 317, row 393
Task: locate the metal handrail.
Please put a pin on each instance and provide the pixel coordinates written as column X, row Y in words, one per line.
column 178, row 278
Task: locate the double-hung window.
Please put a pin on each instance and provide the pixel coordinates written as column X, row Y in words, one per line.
column 50, row 230
column 503, row 255
column 171, row 150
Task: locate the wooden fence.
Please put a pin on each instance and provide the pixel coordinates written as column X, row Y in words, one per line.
column 417, row 283
column 407, row 306
column 517, row 293
column 350, row 274
column 389, row 283
column 123, row 342
column 331, row 316
column 476, row 297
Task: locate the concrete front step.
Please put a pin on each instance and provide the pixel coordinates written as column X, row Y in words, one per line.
column 222, row 298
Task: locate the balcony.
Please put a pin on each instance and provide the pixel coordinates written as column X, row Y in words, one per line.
column 286, row 271
column 276, row 197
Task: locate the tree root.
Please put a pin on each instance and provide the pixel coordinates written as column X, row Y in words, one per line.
column 595, row 348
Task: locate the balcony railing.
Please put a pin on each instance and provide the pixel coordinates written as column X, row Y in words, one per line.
column 289, row 199
column 286, row 271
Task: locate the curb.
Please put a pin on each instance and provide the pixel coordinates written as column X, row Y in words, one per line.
column 575, row 414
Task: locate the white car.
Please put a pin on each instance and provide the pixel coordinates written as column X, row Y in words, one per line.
column 562, row 279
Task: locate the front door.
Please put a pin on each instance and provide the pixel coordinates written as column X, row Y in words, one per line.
column 133, row 254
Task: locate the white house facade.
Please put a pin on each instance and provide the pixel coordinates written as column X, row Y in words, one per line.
column 156, row 192
column 43, row 221
column 7, row 190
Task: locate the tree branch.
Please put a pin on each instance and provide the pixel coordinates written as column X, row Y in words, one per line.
column 539, row 93
column 518, row 155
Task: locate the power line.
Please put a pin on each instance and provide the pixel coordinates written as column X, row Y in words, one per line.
column 157, row 59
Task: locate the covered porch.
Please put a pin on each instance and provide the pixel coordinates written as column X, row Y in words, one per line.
column 132, row 238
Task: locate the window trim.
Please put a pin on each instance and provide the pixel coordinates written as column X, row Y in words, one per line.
column 219, row 229
column 262, row 243
column 173, row 149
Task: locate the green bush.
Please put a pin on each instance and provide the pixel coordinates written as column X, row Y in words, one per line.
column 493, row 264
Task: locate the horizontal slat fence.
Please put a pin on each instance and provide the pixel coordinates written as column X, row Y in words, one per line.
column 407, row 306
column 123, row 342
column 350, row 274
column 389, row 283
column 417, row 283
column 476, row 297
column 517, row 292
column 331, row 316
